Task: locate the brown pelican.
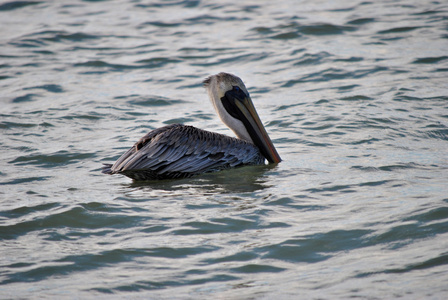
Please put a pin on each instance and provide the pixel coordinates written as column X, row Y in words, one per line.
column 177, row 151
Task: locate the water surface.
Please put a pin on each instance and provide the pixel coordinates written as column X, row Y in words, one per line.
column 352, row 93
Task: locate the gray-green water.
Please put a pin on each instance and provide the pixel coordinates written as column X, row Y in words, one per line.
column 353, row 94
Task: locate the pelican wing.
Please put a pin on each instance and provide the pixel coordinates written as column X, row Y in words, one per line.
column 176, row 151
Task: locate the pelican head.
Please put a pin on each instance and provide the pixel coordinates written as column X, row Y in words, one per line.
column 235, row 109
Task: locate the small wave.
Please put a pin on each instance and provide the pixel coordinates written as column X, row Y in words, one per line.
column 223, row 225
column 412, row 228
column 27, row 210
column 295, row 30
column 243, row 58
column 65, row 36
column 149, row 101
column 162, row 4
column 256, row 268
column 439, row 134
column 25, row 98
column 25, row 180
column 44, row 38
column 430, row 60
column 400, row 166
column 12, row 125
column 325, row 29
column 48, row 161
column 361, row 21
column 17, row 5
column 398, row 30
column 155, row 62
column 52, row 88
column 315, row 247
column 356, row 98
column 335, row 74
column 312, row 59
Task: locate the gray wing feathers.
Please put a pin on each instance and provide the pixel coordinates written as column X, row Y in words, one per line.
column 184, row 151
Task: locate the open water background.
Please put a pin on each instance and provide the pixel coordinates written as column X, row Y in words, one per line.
column 354, row 95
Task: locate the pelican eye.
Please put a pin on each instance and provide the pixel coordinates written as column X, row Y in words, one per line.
column 236, row 88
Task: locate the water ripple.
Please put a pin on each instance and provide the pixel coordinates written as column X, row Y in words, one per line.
column 48, row 161
column 358, row 115
column 17, row 5
column 335, row 74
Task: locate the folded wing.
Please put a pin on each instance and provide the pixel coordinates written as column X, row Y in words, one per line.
column 177, row 151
